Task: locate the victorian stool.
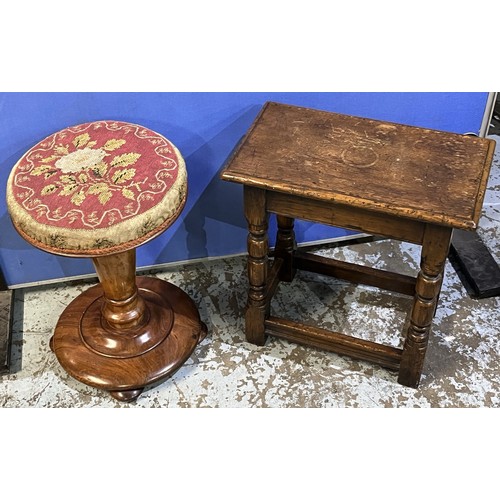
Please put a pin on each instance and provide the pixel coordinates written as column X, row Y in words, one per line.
column 99, row 190
column 386, row 179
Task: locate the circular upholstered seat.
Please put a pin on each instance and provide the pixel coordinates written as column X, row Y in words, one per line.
column 96, row 189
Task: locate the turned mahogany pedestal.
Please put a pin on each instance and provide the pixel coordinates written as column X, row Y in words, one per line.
column 392, row 180
column 99, row 190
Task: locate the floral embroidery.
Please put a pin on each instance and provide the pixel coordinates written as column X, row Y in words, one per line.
column 92, row 174
column 96, row 175
column 80, row 160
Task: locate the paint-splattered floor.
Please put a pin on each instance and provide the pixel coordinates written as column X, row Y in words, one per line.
column 462, row 367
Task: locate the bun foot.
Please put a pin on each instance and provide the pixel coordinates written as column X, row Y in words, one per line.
column 203, row 331
column 127, row 396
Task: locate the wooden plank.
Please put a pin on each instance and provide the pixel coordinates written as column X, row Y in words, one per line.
column 386, row 356
column 358, row 219
column 386, row 280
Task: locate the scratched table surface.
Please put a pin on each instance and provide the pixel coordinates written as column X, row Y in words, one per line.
column 406, row 171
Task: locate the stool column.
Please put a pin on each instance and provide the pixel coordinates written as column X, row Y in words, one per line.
column 123, row 306
column 435, row 247
column 258, row 246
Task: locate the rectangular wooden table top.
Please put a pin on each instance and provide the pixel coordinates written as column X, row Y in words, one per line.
column 407, row 171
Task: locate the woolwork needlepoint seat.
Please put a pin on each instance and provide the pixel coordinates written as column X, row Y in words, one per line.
column 100, row 190
column 396, row 181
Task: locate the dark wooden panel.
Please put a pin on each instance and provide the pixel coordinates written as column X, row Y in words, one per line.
column 6, row 315
column 339, row 343
column 477, row 269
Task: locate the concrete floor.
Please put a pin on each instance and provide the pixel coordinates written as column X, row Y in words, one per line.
column 462, row 366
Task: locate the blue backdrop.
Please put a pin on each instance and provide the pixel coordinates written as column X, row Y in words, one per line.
column 205, row 127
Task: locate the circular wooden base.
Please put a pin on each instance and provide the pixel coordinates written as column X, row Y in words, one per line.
column 124, row 362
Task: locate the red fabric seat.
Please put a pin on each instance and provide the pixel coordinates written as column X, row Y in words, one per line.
column 97, row 188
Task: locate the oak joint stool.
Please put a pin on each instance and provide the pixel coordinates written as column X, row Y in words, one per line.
column 386, row 179
column 100, row 190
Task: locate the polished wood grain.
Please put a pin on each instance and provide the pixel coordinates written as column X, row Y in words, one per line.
column 386, row 179
column 123, row 307
column 126, row 333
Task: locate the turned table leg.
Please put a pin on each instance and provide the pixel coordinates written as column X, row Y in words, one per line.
column 258, row 246
column 435, row 249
